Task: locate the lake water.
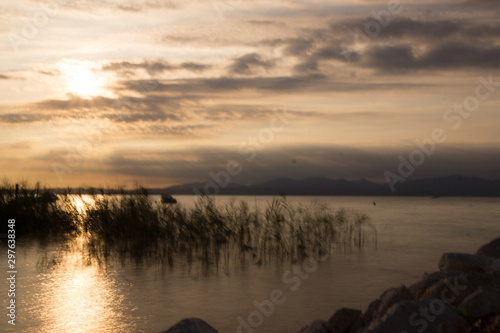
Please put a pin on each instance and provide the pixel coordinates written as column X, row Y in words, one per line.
column 60, row 293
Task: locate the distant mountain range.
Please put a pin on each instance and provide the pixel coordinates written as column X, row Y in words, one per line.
column 434, row 187
column 442, row 186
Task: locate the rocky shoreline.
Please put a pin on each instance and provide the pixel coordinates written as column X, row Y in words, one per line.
column 463, row 296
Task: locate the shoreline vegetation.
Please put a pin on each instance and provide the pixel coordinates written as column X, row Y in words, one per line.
column 134, row 226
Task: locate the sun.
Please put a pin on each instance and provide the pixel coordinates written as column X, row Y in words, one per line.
column 81, row 79
column 83, row 83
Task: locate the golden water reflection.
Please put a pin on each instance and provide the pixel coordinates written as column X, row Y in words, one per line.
column 78, row 296
column 81, row 202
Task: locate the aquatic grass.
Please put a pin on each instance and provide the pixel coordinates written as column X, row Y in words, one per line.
column 134, row 226
column 34, row 211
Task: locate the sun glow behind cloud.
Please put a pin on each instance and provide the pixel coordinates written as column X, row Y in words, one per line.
column 80, row 79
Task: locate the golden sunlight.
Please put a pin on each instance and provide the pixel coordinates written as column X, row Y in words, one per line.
column 83, row 298
column 81, row 80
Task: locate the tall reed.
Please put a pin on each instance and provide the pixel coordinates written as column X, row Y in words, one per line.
column 135, row 226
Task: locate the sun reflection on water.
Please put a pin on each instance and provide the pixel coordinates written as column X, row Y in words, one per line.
column 81, row 202
column 79, row 296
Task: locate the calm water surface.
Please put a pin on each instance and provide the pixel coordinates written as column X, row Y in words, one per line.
column 60, row 292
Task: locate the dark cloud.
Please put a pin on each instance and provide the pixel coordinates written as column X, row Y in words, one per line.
column 247, row 63
column 166, row 130
column 391, row 57
column 52, row 72
column 153, row 67
column 482, row 4
column 148, row 66
column 298, row 46
column 285, row 84
column 225, row 86
column 458, row 55
column 334, row 161
column 401, row 27
column 180, row 38
column 264, row 22
column 127, row 110
column 404, row 27
column 483, row 31
column 308, row 66
column 443, row 56
column 150, row 115
column 24, row 118
column 74, row 102
column 439, row 29
column 4, row 77
column 449, row 44
column 194, row 67
column 335, row 53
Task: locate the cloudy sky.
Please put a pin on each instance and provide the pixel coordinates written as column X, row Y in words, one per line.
column 109, row 92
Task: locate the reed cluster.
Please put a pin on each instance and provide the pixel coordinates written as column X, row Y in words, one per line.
column 135, row 226
column 35, row 210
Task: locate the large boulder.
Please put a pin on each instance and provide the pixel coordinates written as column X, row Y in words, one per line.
column 191, row 325
column 419, row 288
column 357, row 325
column 343, row 319
column 390, row 297
column 431, row 316
column 484, row 302
column 464, row 262
column 455, row 289
column 371, row 313
column 495, row 266
column 492, row 249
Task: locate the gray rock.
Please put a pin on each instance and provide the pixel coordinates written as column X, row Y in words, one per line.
column 464, row 262
column 390, row 297
column 484, row 302
column 431, row 316
column 495, row 266
column 191, row 325
column 418, row 289
column 357, row 325
column 455, row 289
column 343, row 319
column 492, row 249
column 371, row 312
column 317, row 326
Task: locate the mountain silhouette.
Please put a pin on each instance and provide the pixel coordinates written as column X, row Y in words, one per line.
column 441, row 186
